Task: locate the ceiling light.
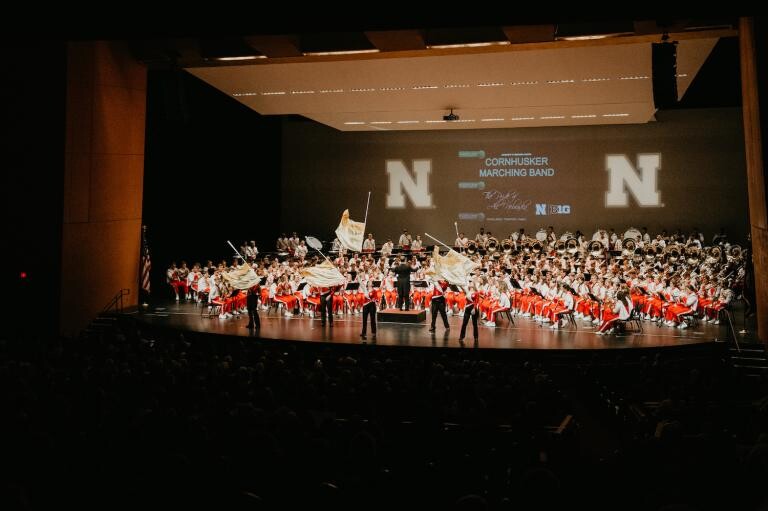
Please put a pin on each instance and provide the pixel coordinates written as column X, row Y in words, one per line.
column 640, row 77
column 242, row 57
column 340, row 52
column 302, row 92
column 387, row 89
column 590, row 116
column 521, row 118
column 407, row 122
column 354, row 122
column 326, row 91
column 615, row 115
column 273, row 93
column 456, row 86
column 433, row 122
column 420, row 87
column 534, row 82
column 467, row 45
column 240, row 94
column 490, row 84
column 552, row 117
column 492, row 120
column 560, row 81
column 381, row 122
column 595, row 79
column 362, row 90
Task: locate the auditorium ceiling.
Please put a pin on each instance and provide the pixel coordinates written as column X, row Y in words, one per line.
column 490, row 77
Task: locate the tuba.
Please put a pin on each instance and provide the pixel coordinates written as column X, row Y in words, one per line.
column 507, row 246
column 650, row 253
column 715, row 253
column 735, row 252
column 692, row 254
column 572, row 245
column 472, row 247
column 492, row 245
column 596, row 248
column 537, row 246
column 672, row 253
column 560, row 246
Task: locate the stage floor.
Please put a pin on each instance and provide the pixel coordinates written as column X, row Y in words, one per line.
column 524, row 334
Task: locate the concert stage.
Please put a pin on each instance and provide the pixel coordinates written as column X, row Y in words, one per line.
column 524, row 334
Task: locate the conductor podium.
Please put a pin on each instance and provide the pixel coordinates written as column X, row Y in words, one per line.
column 399, row 316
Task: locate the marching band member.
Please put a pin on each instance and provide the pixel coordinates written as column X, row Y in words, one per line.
column 369, row 309
column 437, row 290
column 470, row 312
column 369, row 244
column 620, row 311
column 461, row 243
column 172, row 278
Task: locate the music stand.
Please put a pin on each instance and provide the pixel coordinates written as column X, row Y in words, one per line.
column 376, row 283
column 352, row 286
column 594, row 298
column 301, row 286
column 263, row 281
column 419, row 283
column 454, row 288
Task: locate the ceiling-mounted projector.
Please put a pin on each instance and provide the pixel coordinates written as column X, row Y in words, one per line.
column 451, row 116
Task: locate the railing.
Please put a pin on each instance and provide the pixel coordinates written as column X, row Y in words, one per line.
column 116, row 302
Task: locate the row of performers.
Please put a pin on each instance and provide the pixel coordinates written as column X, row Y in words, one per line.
column 544, row 300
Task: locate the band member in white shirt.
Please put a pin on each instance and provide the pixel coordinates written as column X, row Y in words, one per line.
column 386, row 248
column 301, row 250
column 405, row 240
column 369, row 244
column 461, row 242
column 416, row 244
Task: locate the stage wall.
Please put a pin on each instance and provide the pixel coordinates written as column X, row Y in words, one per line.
column 686, row 170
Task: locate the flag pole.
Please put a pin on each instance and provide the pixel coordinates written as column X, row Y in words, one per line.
column 236, row 252
column 456, row 224
column 366, row 209
column 437, row 240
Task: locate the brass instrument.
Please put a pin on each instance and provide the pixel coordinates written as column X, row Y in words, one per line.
column 650, row 253
column 596, row 248
column 536, row 246
column 735, row 252
column 560, row 246
column 692, row 254
column 492, row 245
column 672, row 253
column 637, row 257
column 472, row 247
column 715, row 253
column 572, row 245
column 507, row 246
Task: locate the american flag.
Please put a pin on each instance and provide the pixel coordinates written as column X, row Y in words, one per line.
column 146, row 263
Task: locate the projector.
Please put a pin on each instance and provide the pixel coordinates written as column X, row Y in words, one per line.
column 451, row 117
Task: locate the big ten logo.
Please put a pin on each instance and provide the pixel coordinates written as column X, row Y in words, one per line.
column 559, row 209
column 623, row 177
column 541, row 209
column 415, row 185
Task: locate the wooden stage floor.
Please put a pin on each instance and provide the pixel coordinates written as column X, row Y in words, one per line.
column 524, row 334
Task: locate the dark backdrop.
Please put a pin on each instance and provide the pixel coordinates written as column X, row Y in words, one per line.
column 211, row 172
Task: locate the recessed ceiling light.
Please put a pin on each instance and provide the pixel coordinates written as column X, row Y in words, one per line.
column 381, row 122
column 456, row 86
column 490, row 84
column 468, row 45
column 521, row 118
column 639, row 77
column 534, row 82
column 585, row 116
column 386, row 89
column 595, row 79
column 362, row 90
column 326, row 91
column 354, row 122
column 407, row 122
column 302, row 92
column 273, row 93
column 560, row 81
column 243, row 57
column 552, row 117
column 420, row 87
column 340, row 52
column 435, row 122
column 492, row 120
column 615, row 115
column 239, row 94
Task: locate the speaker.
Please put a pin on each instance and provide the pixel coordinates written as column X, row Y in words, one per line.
column 664, row 63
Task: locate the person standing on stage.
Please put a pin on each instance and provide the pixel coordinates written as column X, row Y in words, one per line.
column 369, row 308
column 369, row 244
column 403, row 272
column 437, row 290
column 471, row 311
column 405, row 240
column 252, row 303
column 326, row 304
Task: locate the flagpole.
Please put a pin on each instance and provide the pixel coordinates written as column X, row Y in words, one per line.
column 366, row 208
column 236, row 252
column 437, row 240
column 456, row 224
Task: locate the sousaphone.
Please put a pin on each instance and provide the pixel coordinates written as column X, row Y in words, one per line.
column 595, row 248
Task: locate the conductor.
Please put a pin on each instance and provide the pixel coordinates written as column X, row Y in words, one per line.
column 403, row 272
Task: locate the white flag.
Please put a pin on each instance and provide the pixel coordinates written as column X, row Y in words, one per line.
column 453, row 267
column 323, row 275
column 350, row 233
column 242, row 278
